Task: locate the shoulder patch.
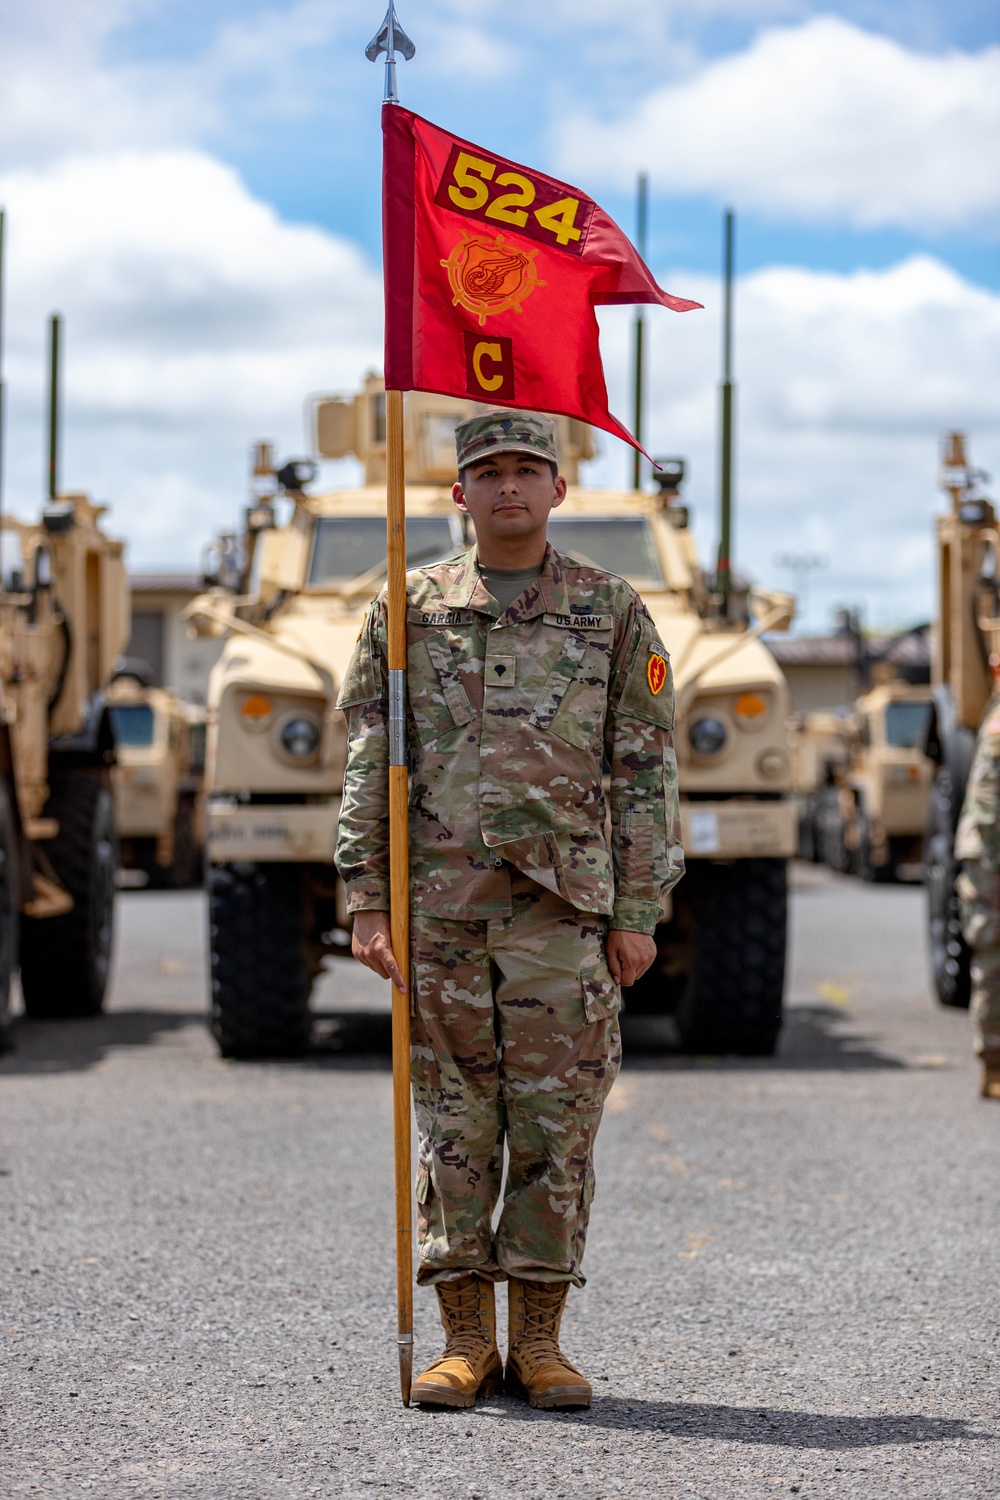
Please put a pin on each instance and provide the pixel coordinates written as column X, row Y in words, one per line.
column 648, row 693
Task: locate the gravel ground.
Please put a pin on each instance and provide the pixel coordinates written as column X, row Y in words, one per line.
column 792, row 1262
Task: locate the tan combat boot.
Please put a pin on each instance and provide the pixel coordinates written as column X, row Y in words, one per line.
column 537, row 1369
column 470, row 1365
column 989, row 1083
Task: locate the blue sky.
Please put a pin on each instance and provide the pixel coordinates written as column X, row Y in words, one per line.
column 313, row 151
column 196, row 186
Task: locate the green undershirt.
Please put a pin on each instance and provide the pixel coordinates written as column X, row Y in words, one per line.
column 506, row 583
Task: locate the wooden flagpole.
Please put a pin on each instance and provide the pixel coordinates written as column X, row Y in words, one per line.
column 399, row 877
column 390, row 39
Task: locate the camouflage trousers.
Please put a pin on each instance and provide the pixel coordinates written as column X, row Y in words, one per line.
column 515, row 1038
column 979, row 905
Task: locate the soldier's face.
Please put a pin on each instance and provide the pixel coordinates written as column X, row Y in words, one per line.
column 509, row 496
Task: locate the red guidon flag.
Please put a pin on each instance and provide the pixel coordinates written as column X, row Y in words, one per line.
column 492, row 274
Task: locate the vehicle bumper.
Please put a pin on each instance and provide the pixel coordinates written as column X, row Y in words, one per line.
column 295, row 834
column 739, row 828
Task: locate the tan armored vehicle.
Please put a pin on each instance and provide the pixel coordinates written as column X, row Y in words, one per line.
column 965, row 633
column 64, row 617
column 157, row 781
column 277, row 747
column 885, row 787
column 863, row 778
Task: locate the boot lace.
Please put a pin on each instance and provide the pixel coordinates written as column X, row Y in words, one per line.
column 466, row 1335
column 537, row 1339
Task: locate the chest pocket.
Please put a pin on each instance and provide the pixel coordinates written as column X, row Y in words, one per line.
column 573, row 701
column 438, row 701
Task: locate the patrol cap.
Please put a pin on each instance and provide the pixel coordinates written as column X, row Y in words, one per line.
column 505, row 432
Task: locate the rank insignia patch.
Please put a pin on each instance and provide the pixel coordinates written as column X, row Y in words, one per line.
column 656, row 673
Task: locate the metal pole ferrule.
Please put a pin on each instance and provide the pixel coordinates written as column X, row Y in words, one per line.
column 397, row 716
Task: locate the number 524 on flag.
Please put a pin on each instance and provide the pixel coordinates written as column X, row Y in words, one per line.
column 492, row 274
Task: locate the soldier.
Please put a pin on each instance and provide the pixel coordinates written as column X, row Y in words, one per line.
column 527, row 673
column 977, row 845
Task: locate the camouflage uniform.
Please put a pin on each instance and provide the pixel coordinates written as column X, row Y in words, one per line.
column 513, row 882
column 977, row 845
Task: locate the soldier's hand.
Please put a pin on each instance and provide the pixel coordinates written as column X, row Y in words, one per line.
column 371, row 944
column 629, row 955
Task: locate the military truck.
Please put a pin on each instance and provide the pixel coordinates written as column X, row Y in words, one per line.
column 864, row 779
column 965, row 633
column 157, row 781
column 64, row 618
column 887, row 781
column 291, row 606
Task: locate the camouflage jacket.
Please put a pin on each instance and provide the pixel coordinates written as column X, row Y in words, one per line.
column 511, row 719
column 978, row 836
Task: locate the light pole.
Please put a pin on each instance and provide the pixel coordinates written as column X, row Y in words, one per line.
column 800, row 565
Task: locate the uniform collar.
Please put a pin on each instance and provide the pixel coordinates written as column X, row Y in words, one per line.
column 547, row 595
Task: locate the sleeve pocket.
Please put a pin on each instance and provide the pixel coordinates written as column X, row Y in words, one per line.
column 360, row 684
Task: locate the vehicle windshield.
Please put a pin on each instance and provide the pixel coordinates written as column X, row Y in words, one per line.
column 133, row 724
column 347, row 546
column 622, row 544
column 906, row 725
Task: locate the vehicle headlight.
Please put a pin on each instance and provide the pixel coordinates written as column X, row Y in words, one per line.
column 256, row 711
column 750, row 710
column 299, row 737
column 707, row 735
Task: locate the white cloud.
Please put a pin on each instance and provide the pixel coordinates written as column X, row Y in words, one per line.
column 818, row 122
column 844, row 384
column 70, row 85
column 196, row 322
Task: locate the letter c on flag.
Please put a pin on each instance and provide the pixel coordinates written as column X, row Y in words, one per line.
column 489, row 366
column 494, row 354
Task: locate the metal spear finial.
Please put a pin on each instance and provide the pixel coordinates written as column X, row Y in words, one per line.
column 390, row 39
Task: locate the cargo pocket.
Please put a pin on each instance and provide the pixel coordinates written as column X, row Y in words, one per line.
column 424, row 1190
column 602, row 998
column 438, row 701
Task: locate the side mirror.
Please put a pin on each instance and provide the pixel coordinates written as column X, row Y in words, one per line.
column 765, row 603
column 260, row 517
column 208, row 617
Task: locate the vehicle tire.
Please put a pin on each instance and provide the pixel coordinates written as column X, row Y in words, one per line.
column 186, row 869
column 734, row 997
column 949, row 951
column 10, row 902
column 833, row 851
column 870, row 872
column 158, row 877
column 65, row 960
column 259, row 926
